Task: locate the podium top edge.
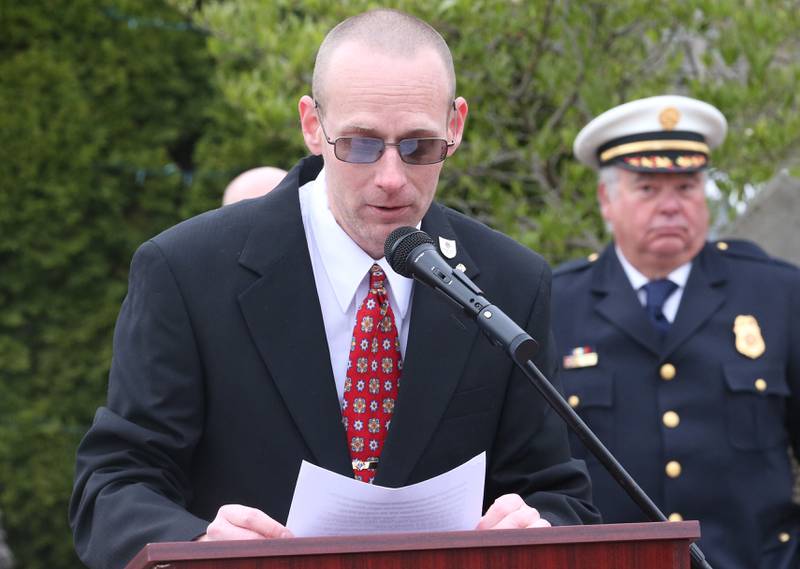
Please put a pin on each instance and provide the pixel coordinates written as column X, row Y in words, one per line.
column 636, row 532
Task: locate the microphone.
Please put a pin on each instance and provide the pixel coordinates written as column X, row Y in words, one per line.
column 411, row 253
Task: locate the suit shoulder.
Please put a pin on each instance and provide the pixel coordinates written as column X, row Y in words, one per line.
column 208, row 228
column 743, row 250
column 574, row 266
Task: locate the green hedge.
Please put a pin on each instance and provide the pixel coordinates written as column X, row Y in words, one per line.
column 100, row 107
column 119, row 118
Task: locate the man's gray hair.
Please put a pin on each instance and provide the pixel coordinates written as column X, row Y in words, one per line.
column 387, row 31
column 608, row 176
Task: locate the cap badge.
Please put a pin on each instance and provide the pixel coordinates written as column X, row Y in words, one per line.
column 749, row 341
column 582, row 356
column 448, row 247
column 669, row 117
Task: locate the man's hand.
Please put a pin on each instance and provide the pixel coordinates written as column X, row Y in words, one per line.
column 509, row 512
column 240, row 522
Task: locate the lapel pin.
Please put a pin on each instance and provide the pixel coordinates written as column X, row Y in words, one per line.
column 447, row 247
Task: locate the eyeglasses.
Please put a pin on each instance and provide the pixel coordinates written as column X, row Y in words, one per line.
column 366, row 150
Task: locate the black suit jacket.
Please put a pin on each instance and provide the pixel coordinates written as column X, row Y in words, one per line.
column 733, row 431
column 221, row 383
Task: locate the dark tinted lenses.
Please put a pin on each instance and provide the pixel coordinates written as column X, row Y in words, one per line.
column 422, row 150
column 363, row 150
column 358, row 150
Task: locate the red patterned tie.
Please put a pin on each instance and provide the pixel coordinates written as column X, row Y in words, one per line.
column 373, row 378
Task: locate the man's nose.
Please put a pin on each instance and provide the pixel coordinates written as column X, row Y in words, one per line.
column 391, row 170
column 670, row 201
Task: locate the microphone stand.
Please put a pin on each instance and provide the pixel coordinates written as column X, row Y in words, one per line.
column 505, row 333
column 411, row 253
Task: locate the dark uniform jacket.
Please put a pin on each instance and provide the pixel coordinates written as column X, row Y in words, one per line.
column 221, row 383
column 703, row 427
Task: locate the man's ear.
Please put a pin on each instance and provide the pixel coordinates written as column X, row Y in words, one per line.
column 604, row 199
column 455, row 128
column 309, row 124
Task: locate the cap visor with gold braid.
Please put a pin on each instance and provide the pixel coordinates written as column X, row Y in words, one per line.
column 668, row 133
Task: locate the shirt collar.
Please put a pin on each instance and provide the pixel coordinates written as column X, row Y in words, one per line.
column 679, row 276
column 345, row 263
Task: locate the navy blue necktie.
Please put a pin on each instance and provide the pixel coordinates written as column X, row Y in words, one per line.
column 658, row 292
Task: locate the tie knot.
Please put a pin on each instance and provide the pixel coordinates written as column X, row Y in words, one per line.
column 377, row 279
column 658, row 292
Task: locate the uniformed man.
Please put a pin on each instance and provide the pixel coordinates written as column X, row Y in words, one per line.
column 683, row 355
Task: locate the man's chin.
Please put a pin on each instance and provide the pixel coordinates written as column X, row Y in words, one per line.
column 672, row 250
column 669, row 243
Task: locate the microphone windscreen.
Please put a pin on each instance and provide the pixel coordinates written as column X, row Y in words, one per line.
column 399, row 244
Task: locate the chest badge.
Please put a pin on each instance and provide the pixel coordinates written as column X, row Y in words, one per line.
column 447, row 247
column 582, row 356
column 749, row 341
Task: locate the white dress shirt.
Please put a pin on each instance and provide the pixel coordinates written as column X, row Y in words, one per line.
column 341, row 276
column 679, row 276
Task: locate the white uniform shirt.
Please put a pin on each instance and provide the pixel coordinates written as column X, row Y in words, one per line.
column 679, row 276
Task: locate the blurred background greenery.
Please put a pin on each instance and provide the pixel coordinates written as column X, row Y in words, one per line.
column 119, row 118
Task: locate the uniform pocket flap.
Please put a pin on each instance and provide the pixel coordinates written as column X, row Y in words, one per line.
column 758, row 379
column 589, row 387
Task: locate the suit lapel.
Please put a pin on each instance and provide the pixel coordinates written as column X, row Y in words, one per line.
column 619, row 304
column 283, row 314
column 703, row 296
column 437, row 351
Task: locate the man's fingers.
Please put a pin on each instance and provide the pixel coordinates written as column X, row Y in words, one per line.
column 540, row 523
column 522, row 518
column 511, row 512
column 501, row 508
column 234, row 521
column 221, row 529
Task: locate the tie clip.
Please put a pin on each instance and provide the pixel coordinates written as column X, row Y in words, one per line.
column 370, row 464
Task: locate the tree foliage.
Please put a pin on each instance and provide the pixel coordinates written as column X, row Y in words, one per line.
column 95, row 101
column 534, row 73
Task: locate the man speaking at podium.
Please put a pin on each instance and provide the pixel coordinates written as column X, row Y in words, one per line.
column 274, row 331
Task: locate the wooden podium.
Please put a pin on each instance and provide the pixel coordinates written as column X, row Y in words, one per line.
column 663, row 545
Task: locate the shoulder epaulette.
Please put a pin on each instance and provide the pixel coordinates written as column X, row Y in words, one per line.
column 744, row 249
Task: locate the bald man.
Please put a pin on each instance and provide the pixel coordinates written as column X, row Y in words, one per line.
column 257, row 336
column 6, row 559
column 252, row 184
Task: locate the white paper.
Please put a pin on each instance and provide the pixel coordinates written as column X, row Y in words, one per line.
column 326, row 503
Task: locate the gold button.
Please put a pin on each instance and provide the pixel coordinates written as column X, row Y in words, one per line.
column 671, row 419
column 675, row 517
column 592, row 258
column 667, row 372
column 574, row 401
column 673, row 469
column 783, row 537
column 722, row 246
column 761, row 385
